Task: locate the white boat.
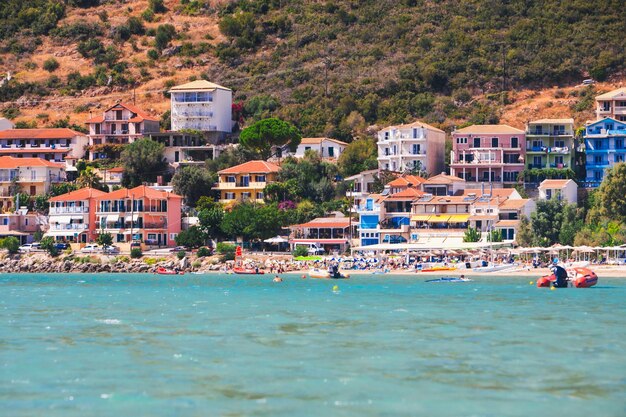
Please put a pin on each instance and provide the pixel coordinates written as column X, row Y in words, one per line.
column 495, row 267
column 319, row 273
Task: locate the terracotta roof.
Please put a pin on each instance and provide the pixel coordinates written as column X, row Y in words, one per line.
column 417, row 123
column 407, row 181
column 508, row 223
column 488, row 129
column 251, row 167
column 138, row 192
column 140, row 114
column 116, row 169
column 551, row 121
column 198, row 85
column 327, row 222
column 443, row 179
column 612, row 94
column 514, row 204
column 12, row 162
column 317, row 141
column 79, row 195
column 407, row 194
column 554, row 183
column 496, row 192
column 52, row 133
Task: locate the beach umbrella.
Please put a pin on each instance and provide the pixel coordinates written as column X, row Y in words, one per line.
column 276, row 239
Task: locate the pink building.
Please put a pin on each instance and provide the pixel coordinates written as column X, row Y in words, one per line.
column 488, row 153
column 140, row 214
column 72, row 216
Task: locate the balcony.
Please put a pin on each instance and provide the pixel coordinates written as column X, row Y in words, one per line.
column 598, row 164
column 71, row 226
column 68, row 210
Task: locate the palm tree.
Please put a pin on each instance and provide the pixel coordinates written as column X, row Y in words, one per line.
column 89, row 178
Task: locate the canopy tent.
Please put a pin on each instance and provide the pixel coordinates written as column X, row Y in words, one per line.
column 276, row 239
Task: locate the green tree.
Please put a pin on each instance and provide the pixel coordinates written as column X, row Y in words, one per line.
column 471, row 235
column 571, row 224
column 50, row 64
column 104, row 239
column 193, row 237
column 524, row 235
column 192, row 182
column 164, row 35
column 226, row 250
column 48, row 244
column 89, row 178
column 300, row 251
column 211, row 221
column 358, row 156
column 142, row 161
column 495, row 236
column 264, row 134
column 546, row 222
column 11, row 244
column 611, row 196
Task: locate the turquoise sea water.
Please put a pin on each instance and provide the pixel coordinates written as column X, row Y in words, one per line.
column 146, row 345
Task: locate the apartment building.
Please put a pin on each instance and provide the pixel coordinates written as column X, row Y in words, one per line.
column 246, row 182
column 605, row 145
column 185, row 148
column 565, row 190
column 140, row 214
column 54, row 144
column 488, row 153
column 120, row 124
column 201, row 105
column 550, row 144
column 333, row 234
column 416, row 147
column 72, row 216
column 612, row 104
column 21, row 224
column 30, row 176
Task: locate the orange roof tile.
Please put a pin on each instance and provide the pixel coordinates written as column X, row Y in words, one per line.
column 52, row 133
column 141, row 191
column 496, row 192
column 116, row 169
column 407, row 181
column 34, row 150
column 443, row 179
column 488, row 130
column 251, row 167
column 140, row 114
column 417, row 123
column 407, row 194
column 12, row 162
column 79, row 195
column 554, row 183
column 508, row 223
column 514, row 204
column 317, row 141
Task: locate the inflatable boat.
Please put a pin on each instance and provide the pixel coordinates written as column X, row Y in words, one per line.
column 324, row 274
column 578, row 277
column 164, row 271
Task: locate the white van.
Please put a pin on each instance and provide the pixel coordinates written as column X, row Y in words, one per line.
column 313, row 248
column 30, row 247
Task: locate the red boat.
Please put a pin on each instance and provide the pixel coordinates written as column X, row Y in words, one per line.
column 247, row 271
column 163, row 271
column 579, row 277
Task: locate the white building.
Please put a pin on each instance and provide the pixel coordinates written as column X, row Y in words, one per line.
column 327, row 148
column 202, row 105
column 415, row 146
column 560, row 189
column 6, row 124
column 120, row 124
column 362, row 185
column 612, row 104
column 51, row 144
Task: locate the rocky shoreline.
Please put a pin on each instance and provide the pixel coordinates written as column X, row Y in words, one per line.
column 41, row 263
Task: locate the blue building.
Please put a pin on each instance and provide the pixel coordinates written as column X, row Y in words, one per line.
column 369, row 218
column 605, row 145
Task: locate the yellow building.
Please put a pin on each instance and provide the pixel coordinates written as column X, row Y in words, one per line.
column 246, row 182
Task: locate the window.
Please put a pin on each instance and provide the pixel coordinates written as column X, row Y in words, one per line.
column 5, row 221
column 229, row 196
column 260, row 178
column 558, row 160
column 414, row 133
column 176, row 156
column 559, row 143
column 245, row 196
column 597, row 144
column 416, row 149
column 619, row 157
column 619, row 143
column 230, row 178
column 597, row 159
column 537, row 161
column 307, row 148
column 514, row 143
column 173, row 236
column 461, row 141
column 386, row 135
column 331, row 151
column 476, row 142
column 537, row 144
column 494, row 142
column 395, row 150
column 260, row 196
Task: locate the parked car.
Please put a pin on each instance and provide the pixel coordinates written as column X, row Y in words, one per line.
column 589, row 81
column 91, row 248
column 61, row 245
column 135, row 245
column 178, row 249
column 111, row 250
column 30, row 247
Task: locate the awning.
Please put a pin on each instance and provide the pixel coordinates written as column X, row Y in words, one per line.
column 458, row 218
column 64, row 232
column 61, row 219
column 420, row 217
column 111, row 218
column 439, row 218
column 77, row 217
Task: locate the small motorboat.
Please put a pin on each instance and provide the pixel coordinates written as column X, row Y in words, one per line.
column 578, row 277
column 325, row 274
column 495, row 267
column 448, row 279
column 248, row 271
column 439, row 268
column 164, row 271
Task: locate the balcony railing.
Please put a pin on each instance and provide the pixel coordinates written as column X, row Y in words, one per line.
column 71, row 226
column 66, row 210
